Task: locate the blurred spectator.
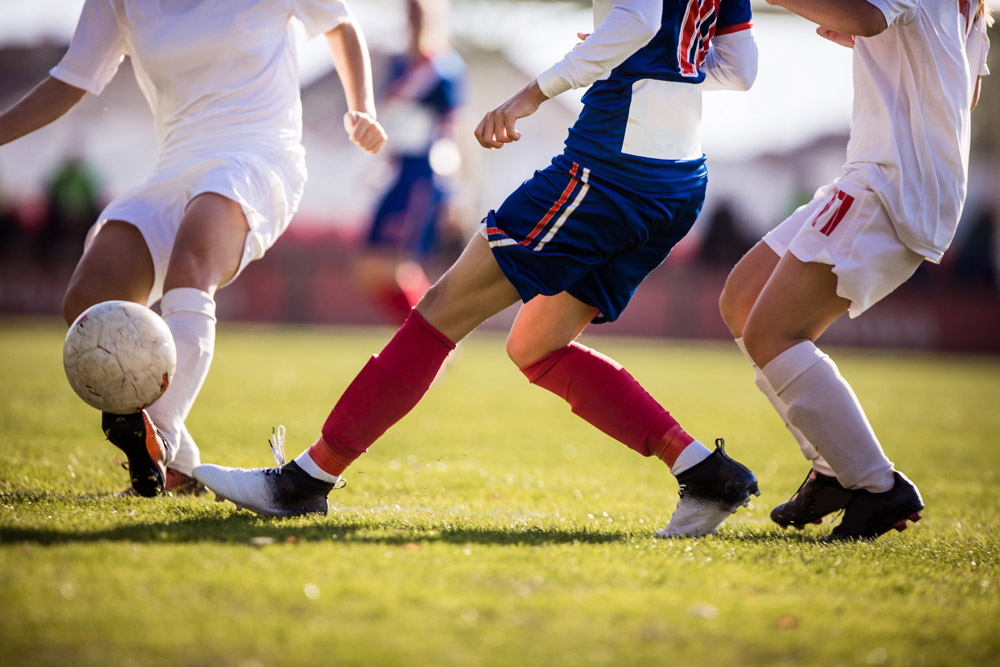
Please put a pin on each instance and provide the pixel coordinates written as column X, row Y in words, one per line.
column 72, row 206
column 724, row 242
column 425, row 91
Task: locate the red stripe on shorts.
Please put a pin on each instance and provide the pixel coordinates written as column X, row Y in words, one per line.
column 555, row 207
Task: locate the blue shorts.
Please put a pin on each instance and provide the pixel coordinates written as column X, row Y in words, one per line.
column 567, row 230
column 407, row 216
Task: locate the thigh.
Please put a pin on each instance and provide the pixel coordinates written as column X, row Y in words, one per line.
column 798, row 303
column 546, row 324
column 210, row 244
column 469, row 293
column 115, row 265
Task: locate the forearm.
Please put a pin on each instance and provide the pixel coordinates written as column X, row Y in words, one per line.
column 43, row 104
column 627, row 28
column 353, row 65
column 852, row 17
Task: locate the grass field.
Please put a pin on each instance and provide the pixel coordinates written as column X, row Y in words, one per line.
column 490, row 527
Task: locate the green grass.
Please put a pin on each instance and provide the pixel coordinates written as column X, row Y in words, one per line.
column 491, row 526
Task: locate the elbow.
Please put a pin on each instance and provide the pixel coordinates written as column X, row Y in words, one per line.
column 745, row 80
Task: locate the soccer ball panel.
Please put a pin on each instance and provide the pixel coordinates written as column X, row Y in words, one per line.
column 119, row 356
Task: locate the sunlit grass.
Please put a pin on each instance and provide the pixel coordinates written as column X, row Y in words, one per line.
column 491, row 526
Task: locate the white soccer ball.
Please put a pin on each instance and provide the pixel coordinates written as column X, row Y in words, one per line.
column 119, row 356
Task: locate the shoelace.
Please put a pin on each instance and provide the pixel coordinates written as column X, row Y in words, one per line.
column 277, row 443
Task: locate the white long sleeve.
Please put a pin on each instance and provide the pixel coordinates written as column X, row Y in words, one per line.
column 626, row 28
column 731, row 61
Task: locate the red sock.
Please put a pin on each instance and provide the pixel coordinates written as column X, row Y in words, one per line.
column 387, row 388
column 603, row 393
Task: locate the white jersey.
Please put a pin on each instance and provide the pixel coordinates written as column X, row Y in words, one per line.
column 217, row 74
column 910, row 130
column 221, row 79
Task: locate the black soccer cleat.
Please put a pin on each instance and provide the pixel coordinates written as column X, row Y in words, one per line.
column 818, row 496
column 281, row 491
column 710, row 492
column 135, row 435
column 869, row 515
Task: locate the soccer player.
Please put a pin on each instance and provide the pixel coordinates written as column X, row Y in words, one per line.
column 420, row 108
column 917, row 67
column 573, row 242
column 221, row 81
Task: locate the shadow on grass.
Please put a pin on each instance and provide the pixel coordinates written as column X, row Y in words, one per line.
column 245, row 529
column 191, row 523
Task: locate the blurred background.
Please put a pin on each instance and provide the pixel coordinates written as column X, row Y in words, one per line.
column 768, row 150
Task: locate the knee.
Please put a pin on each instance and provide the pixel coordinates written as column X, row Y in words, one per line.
column 524, row 350
column 75, row 301
column 734, row 307
column 189, row 268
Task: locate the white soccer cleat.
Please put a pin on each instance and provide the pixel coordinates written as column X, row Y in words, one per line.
column 285, row 491
column 710, row 492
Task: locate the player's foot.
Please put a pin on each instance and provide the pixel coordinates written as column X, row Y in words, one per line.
column 281, row 491
column 818, row 496
column 869, row 515
column 135, row 435
column 710, row 492
column 176, row 484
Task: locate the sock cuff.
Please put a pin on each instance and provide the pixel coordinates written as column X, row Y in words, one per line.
column 790, row 364
column 188, row 299
column 419, row 320
column 743, row 348
column 537, row 369
column 330, row 456
column 307, row 463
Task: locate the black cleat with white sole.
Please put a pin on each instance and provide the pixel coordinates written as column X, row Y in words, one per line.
column 710, row 492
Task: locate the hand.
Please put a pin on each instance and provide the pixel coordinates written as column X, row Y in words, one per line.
column 364, row 131
column 583, row 37
column 836, row 37
column 498, row 126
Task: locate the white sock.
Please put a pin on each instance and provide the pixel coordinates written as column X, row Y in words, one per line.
column 689, row 457
column 306, row 463
column 190, row 314
column 188, row 456
column 823, row 406
column 808, row 450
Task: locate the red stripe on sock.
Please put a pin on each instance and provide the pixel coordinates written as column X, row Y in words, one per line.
column 670, row 446
column 333, row 457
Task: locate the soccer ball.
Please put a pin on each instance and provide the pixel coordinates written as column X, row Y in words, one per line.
column 119, row 356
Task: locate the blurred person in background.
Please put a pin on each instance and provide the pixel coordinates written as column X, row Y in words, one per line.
column 573, row 243
column 896, row 204
column 419, row 109
column 72, row 204
column 221, row 80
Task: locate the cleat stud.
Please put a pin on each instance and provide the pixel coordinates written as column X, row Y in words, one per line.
column 915, row 517
column 900, row 525
column 818, row 521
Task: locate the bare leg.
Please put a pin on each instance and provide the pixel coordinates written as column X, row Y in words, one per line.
column 206, row 254
column 743, row 286
column 473, row 290
column 116, row 265
column 798, row 303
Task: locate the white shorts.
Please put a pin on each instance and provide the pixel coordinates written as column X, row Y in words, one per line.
column 267, row 186
column 846, row 226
